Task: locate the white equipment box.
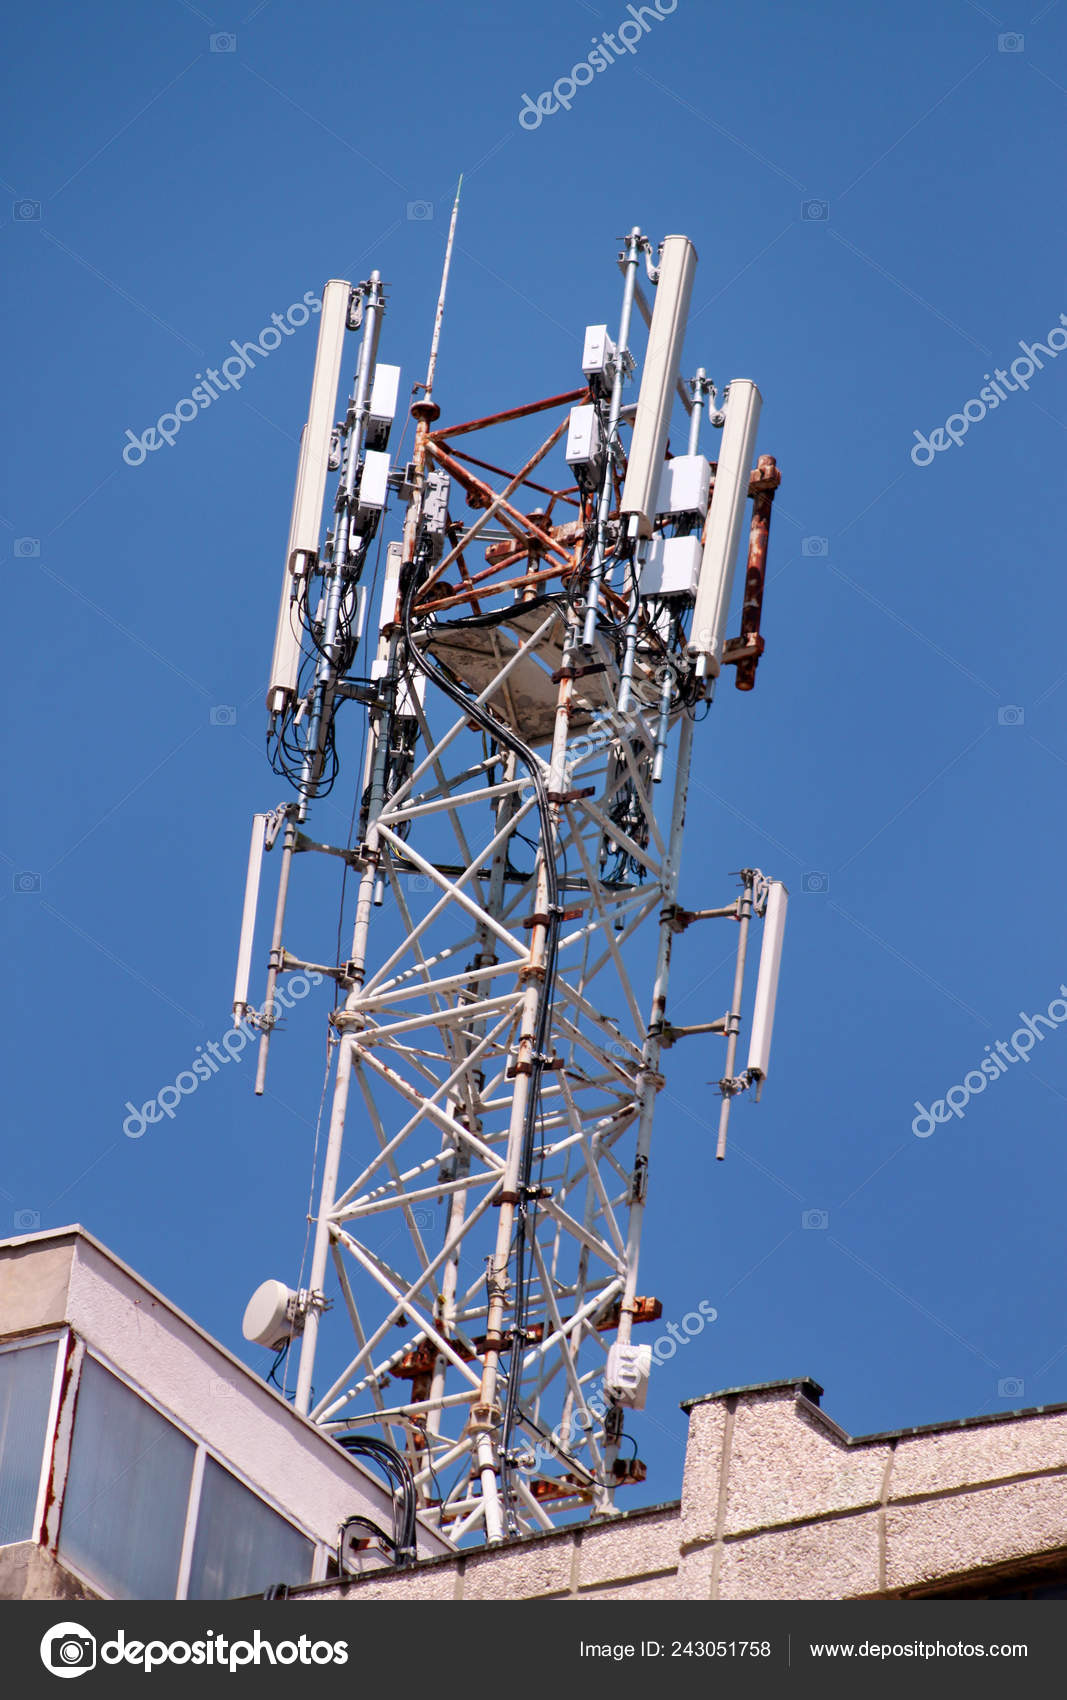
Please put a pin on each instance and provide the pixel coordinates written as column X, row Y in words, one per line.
column 672, row 567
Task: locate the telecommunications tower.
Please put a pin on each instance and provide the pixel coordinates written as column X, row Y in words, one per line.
column 529, row 677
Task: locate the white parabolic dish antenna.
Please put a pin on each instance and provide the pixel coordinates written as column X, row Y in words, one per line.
column 268, row 1319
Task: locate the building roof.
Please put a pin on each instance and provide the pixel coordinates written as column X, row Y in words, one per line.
column 809, row 1389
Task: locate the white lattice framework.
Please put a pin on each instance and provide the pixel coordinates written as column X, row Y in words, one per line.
column 503, row 1010
column 430, row 1044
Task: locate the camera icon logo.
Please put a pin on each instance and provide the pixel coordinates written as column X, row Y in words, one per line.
column 223, row 714
column 815, row 546
column 816, row 1219
column 68, row 1649
column 1010, row 1387
column 816, row 884
column 25, row 884
column 27, row 1221
column 27, row 548
column 419, row 882
column 420, row 209
column 1010, row 714
column 224, row 42
column 423, row 1216
column 26, row 211
column 1010, row 43
column 815, row 210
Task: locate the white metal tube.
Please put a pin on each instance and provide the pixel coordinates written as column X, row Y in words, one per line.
column 321, row 1251
column 396, row 1200
column 649, row 1074
column 460, row 1015
column 699, row 387
column 434, row 988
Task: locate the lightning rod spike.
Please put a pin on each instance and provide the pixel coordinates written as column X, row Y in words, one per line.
column 435, row 344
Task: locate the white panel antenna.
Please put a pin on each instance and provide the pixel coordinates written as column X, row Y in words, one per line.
column 248, row 919
column 770, row 963
column 312, row 468
column 658, row 381
column 285, row 662
column 723, row 533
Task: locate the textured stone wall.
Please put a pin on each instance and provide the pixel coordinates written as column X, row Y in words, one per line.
column 629, row 1558
column 779, row 1503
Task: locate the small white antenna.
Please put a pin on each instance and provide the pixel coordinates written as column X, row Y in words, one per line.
column 770, row 962
column 438, row 317
column 248, row 919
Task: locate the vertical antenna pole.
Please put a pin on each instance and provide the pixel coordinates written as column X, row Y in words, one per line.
column 635, row 243
column 699, row 387
column 424, row 412
column 377, row 756
column 649, row 1077
column 431, row 370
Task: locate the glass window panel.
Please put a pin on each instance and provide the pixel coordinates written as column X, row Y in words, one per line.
column 242, row 1546
column 26, row 1376
column 127, row 1494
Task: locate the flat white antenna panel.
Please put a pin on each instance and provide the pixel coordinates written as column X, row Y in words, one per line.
column 312, row 468
column 770, row 962
column 285, row 662
column 248, row 919
column 725, row 518
column 658, row 380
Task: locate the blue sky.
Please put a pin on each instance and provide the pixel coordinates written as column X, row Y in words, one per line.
column 901, row 763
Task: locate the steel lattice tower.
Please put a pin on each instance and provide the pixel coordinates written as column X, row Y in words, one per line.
column 503, row 1012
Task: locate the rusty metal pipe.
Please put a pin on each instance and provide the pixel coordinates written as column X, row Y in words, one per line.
column 755, row 574
column 513, row 413
column 502, row 472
